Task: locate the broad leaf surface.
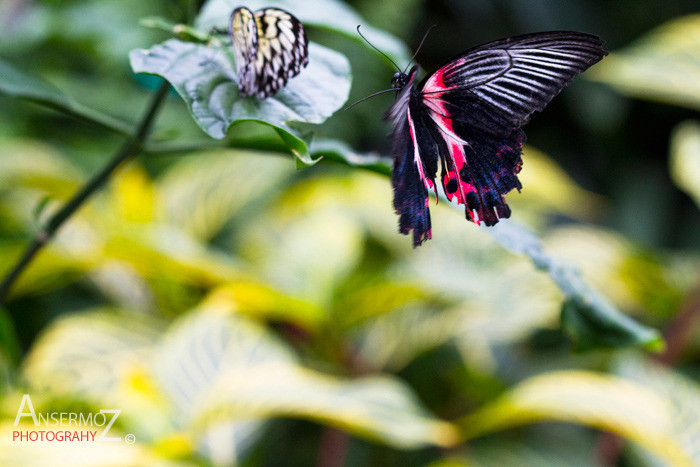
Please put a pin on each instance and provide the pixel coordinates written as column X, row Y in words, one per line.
column 22, row 85
column 205, row 78
column 662, row 66
column 682, row 393
column 614, row 404
column 597, row 324
column 685, row 158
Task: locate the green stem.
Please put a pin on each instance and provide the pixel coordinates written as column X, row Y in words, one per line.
column 129, row 149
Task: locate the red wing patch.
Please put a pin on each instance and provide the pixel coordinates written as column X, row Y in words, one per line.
column 479, row 169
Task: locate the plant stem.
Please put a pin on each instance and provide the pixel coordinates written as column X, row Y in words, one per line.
column 129, row 149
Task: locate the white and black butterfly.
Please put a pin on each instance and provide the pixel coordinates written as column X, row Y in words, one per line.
column 466, row 117
column 270, row 47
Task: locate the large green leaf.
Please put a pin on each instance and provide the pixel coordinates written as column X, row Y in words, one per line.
column 606, row 402
column 663, row 66
column 204, row 77
column 596, row 324
column 594, row 313
column 23, row 85
column 332, row 15
column 685, row 158
column 631, row 276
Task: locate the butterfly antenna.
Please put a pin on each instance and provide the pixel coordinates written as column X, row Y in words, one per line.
column 371, row 95
column 371, row 45
column 425, row 36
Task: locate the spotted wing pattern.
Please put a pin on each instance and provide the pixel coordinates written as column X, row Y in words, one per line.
column 270, row 47
column 467, row 116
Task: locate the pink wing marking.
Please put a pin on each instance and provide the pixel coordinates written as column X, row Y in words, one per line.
column 416, row 156
column 457, row 159
column 435, row 84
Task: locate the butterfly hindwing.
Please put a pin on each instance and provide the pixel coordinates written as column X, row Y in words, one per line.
column 270, row 47
column 415, row 165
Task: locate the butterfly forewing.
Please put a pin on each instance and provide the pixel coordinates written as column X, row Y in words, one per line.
column 244, row 35
column 497, row 86
column 271, row 47
column 468, row 115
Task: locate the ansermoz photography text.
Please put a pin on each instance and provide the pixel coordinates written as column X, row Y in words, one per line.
column 66, row 426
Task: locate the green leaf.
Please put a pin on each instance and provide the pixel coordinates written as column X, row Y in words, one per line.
column 340, row 151
column 204, row 78
column 610, row 403
column 662, row 66
column 332, row 15
column 25, row 86
column 182, row 31
column 592, row 326
column 685, row 158
column 296, row 254
column 594, row 318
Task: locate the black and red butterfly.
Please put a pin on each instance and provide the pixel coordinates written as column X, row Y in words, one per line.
column 466, row 118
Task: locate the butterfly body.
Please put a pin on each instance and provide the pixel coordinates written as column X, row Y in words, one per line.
column 270, row 47
column 462, row 123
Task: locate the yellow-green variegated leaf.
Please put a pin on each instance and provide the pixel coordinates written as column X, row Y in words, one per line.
column 379, row 408
column 133, row 195
column 629, row 409
column 683, row 395
column 194, row 353
column 685, row 158
column 303, row 251
column 71, row 355
column 223, row 371
column 631, row 277
column 29, row 165
column 391, row 341
column 103, row 359
column 550, row 188
column 662, row 66
column 258, row 300
column 197, row 195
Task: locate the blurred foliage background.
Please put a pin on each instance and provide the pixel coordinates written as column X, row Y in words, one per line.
column 240, row 311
